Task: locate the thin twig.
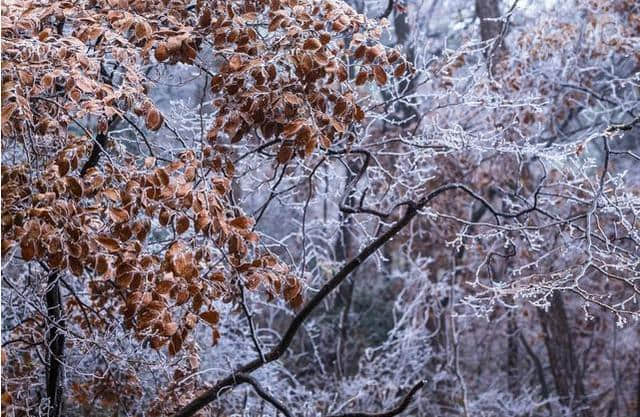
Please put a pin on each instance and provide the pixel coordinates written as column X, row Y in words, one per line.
column 247, row 313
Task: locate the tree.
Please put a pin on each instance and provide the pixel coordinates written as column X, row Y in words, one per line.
column 150, row 237
column 178, row 175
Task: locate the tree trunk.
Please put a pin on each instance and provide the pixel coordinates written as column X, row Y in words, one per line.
column 488, row 12
column 562, row 359
column 55, row 346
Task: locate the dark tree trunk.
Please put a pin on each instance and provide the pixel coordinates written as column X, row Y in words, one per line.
column 488, row 12
column 55, row 346
column 562, row 359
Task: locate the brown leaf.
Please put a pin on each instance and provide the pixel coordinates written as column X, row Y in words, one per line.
column 174, row 44
column 312, row 44
column 292, row 290
column 154, row 119
column 400, row 70
column 188, row 52
column 205, row 18
column 362, row 77
column 310, row 146
column 164, row 217
column 27, row 248
column 118, row 215
column 157, row 342
column 380, row 75
column 75, row 266
column 393, row 56
column 182, row 297
column 242, row 222
column 292, row 98
column 373, row 52
column 235, row 63
column 296, row 302
column 112, row 195
column 182, row 224
column 8, row 110
column 292, row 128
column 108, row 243
column 102, row 265
column 143, row 30
column 42, row 36
column 161, row 52
column 253, row 281
column 215, row 336
column 339, row 127
column 169, row 329
column 202, row 220
column 271, row 71
column 163, row 176
column 176, row 344
column 164, row 286
column 74, row 186
column 284, row 154
column 340, row 107
column 212, row 317
column 7, row 245
column 325, row 38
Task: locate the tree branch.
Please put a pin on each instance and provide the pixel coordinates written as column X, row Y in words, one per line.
column 406, row 400
column 387, row 11
column 279, row 350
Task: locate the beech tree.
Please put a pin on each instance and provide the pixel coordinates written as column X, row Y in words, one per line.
column 287, row 207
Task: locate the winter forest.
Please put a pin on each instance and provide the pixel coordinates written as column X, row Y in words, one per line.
column 309, row 208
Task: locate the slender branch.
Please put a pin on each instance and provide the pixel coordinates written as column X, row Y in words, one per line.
column 140, row 132
column 387, row 11
column 256, row 150
column 230, row 381
column 263, row 394
column 402, row 405
column 96, row 151
column 539, row 370
column 252, row 330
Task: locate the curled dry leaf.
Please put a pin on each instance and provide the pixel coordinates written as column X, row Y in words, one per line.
column 154, row 119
